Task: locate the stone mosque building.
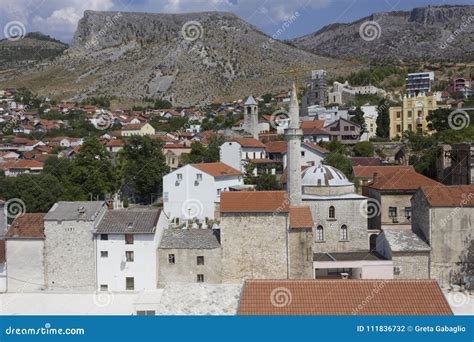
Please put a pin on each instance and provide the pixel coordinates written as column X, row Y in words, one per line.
column 317, row 228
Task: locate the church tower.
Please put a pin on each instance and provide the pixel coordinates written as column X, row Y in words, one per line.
column 293, row 137
column 251, row 117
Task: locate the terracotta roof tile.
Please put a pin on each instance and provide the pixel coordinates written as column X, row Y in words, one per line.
column 401, row 180
column 449, row 196
column 343, row 297
column 366, row 161
column 217, row 169
column 249, row 142
column 21, row 164
column 316, row 147
column 300, row 217
column 276, row 146
column 312, row 124
column 254, row 202
column 27, row 226
column 369, row 171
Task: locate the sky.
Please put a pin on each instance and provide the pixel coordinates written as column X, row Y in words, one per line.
column 59, row 18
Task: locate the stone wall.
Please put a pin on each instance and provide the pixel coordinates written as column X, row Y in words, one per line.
column 301, row 253
column 349, row 213
column 411, row 265
column 185, row 269
column 254, row 246
column 69, row 256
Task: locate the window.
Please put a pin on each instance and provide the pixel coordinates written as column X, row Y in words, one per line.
column 399, row 128
column 409, row 114
column 130, row 283
column 218, row 192
column 104, row 237
column 408, row 212
column 146, row 313
column 344, row 236
column 392, row 212
column 200, row 278
column 199, row 177
column 410, row 127
column 303, row 153
column 320, row 233
column 399, row 114
column 200, row 260
column 353, row 128
column 171, row 259
column 129, row 256
column 397, row 270
column 179, row 176
column 104, row 254
column 346, row 128
column 129, row 239
column 104, row 287
column 332, row 212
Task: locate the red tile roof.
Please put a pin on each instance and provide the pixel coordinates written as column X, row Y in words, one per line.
column 401, row 180
column 21, row 164
column 366, row 161
column 449, row 196
column 27, row 226
column 249, row 142
column 343, row 297
column 254, row 202
column 369, row 171
column 316, row 147
column 300, row 217
column 312, row 124
column 115, row 143
column 276, row 146
column 262, row 161
column 217, row 169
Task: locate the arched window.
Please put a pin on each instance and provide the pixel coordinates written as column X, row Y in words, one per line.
column 320, row 233
column 332, row 212
column 344, row 236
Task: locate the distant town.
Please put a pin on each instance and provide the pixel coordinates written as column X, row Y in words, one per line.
column 323, row 191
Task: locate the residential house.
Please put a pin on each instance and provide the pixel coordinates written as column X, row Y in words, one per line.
column 314, row 131
column 115, row 146
column 18, row 167
column 141, row 129
column 126, row 243
column 25, row 254
column 189, row 256
column 442, row 217
column 345, row 131
column 69, row 249
column 193, row 191
column 174, row 152
column 238, row 152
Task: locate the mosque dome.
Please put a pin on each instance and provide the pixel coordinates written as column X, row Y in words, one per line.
column 324, row 176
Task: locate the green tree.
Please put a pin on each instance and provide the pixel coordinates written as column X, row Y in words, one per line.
column 439, row 119
column 383, row 119
column 143, row 167
column 93, row 170
column 364, row 149
column 265, row 182
column 358, row 118
column 340, row 162
column 267, row 98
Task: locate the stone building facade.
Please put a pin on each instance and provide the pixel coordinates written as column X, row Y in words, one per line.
column 189, row 256
column 444, row 218
column 69, row 245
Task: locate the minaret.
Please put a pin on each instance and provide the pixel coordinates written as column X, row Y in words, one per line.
column 251, row 117
column 293, row 137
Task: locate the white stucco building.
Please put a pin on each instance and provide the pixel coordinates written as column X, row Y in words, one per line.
column 25, row 254
column 126, row 246
column 193, row 191
column 237, row 152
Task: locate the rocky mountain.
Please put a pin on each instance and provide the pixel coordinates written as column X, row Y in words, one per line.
column 34, row 47
column 434, row 33
column 188, row 58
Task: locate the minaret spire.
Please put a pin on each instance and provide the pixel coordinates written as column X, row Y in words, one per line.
column 293, row 137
